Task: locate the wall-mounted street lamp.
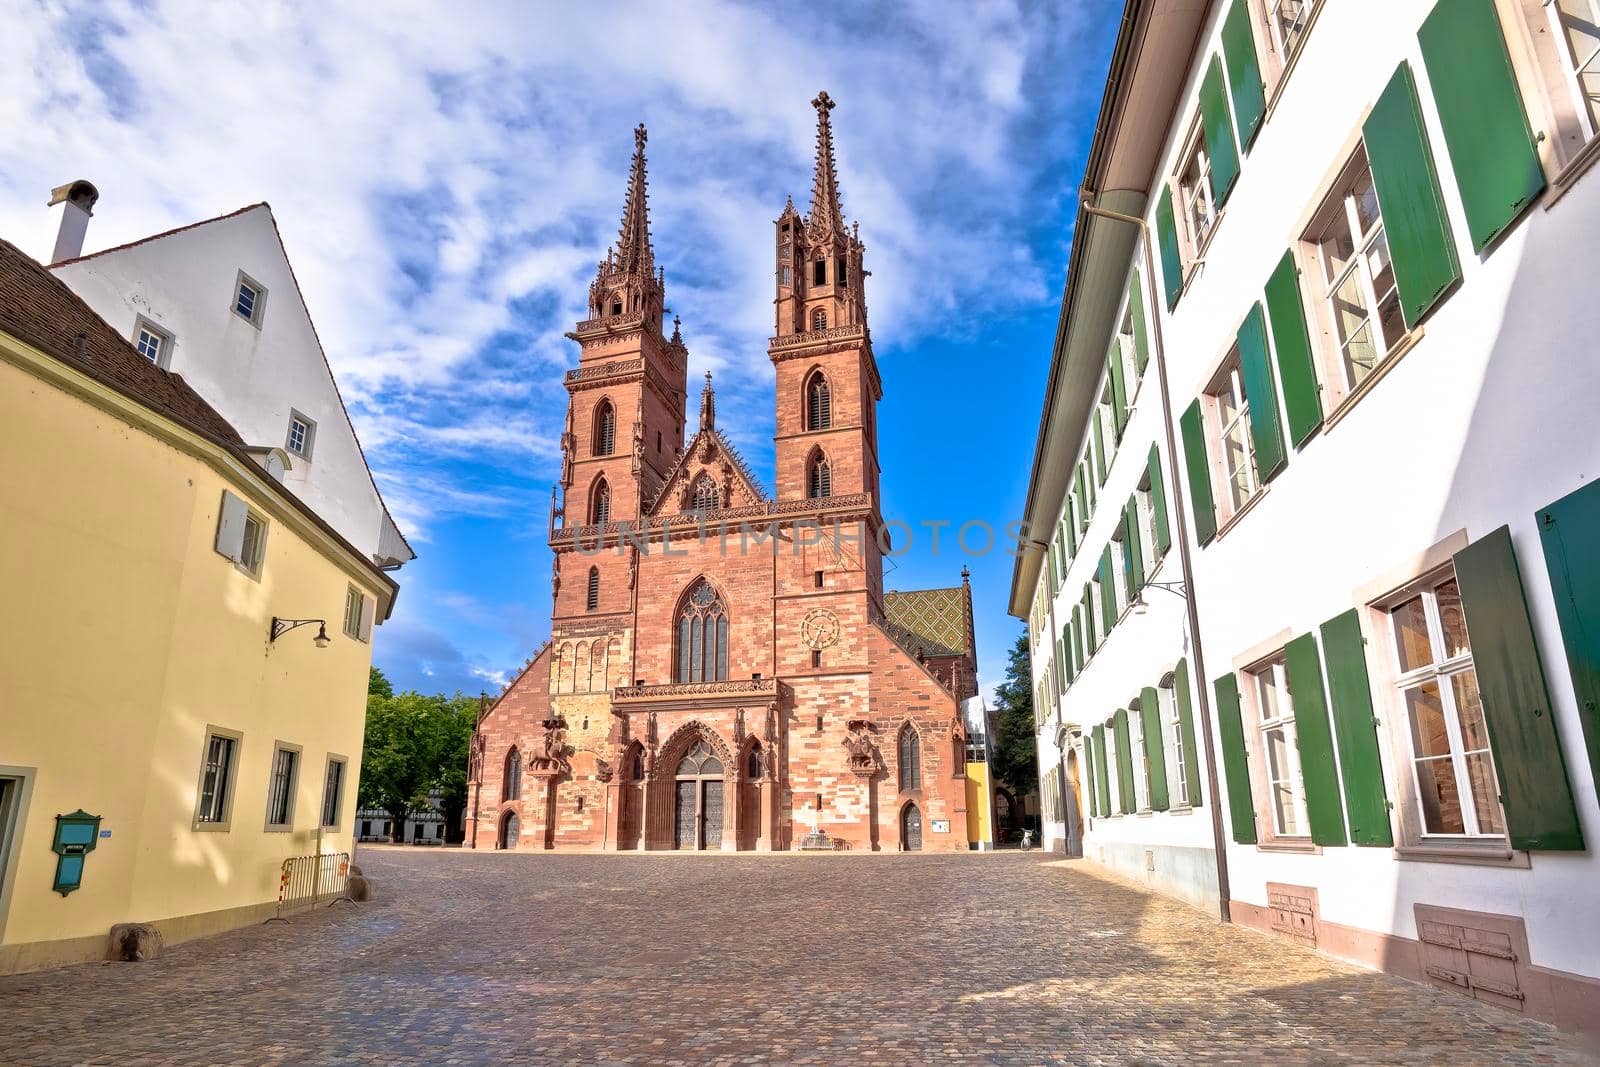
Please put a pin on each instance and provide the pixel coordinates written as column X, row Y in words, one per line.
column 283, row 626
column 1140, row 606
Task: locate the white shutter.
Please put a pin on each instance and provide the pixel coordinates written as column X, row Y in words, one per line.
column 368, row 609
column 230, row 527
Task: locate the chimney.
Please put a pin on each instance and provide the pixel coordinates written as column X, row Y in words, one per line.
column 70, row 208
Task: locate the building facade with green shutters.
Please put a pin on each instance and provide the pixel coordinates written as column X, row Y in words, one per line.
column 1370, row 251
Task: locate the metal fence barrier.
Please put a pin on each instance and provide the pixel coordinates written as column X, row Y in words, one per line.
column 304, row 881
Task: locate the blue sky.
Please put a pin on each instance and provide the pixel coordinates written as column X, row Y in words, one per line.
column 446, row 176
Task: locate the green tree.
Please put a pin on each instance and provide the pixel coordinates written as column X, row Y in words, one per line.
column 415, row 744
column 1015, row 760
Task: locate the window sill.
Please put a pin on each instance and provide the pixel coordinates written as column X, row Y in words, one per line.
column 1302, row 846
column 277, row 829
column 211, row 827
column 1185, row 809
column 1247, row 508
column 1469, row 855
column 1569, row 174
column 1353, row 397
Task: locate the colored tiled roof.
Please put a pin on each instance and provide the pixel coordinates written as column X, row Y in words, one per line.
column 37, row 308
column 934, row 620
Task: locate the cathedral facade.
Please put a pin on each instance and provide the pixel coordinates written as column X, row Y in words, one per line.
column 725, row 669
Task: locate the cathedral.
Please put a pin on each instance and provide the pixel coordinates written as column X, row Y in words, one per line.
column 725, row 669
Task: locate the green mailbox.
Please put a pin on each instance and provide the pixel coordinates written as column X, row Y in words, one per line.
column 76, row 835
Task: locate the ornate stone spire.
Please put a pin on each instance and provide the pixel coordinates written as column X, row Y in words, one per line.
column 827, row 216
column 634, row 254
column 708, row 406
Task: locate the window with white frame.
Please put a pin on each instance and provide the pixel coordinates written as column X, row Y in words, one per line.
column 216, row 779
column 302, row 435
column 1113, row 768
column 153, row 343
column 1452, row 768
column 1147, row 523
column 1128, row 353
column 1097, row 595
column 1194, row 193
column 281, row 787
column 1172, row 723
column 1229, row 426
column 1288, row 20
column 1141, row 757
column 241, row 534
column 1576, row 24
column 1108, row 429
column 249, row 299
column 1119, row 571
column 1286, row 795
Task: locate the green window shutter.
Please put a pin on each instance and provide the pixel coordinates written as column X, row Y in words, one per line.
column 1420, row 241
column 1084, row 501
column 1199, row 467
column 1063, row 659
column 1050, row 564
column 1244, row 72
column 1480, row 108
column 1218, row 125
column 1356, row 729
column 1262, row 392
column 1103, row 781
column 1158, row 502
column 1088, row 621
column 1302, row 393
column 1540, row 814
column 1155, row 749
column 1570, row 528
column 1099, row 447
column 1119, row 389
column 1131, row 546
column 1191, row 758
column 1235, row 761
column 1167, row 238
column 1141, row 340
column 1088, row 481
column 1071, row 524
column 1108, row 591
column 1314, row 739
column 1125, row 762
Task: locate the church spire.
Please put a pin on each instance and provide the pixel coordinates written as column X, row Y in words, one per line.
column 827, row 216
column 634, row 254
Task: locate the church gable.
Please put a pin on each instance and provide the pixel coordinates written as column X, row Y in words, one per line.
column 709, row 476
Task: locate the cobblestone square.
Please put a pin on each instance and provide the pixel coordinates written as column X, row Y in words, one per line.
column 512, row 957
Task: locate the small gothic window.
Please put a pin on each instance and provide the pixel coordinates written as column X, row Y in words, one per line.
column 704, row 497
column 752, row 766
column 910, row 759
column 844, row 276
column 636, row 770
column 819, row 479
column 699, row 762
column 605, row 429
column 819, row 319
column 658, row 440
column 702, row 634
column 513, row 777
column 593, row 600
column 600, row 512
column 819, row 272
column 819, row 403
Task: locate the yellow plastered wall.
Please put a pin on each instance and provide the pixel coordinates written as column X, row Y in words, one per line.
column 126, row 635
column 979, row 801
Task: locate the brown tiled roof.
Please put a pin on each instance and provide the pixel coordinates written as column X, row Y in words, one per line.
column 37, row 308
column 934, row 620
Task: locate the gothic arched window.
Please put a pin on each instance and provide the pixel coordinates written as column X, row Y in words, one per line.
column 752, row 765
column 704, row 497
column 819, row 319
column 593, row 600
column 910, row 759
column 600, row 509
column 819, row 403
column 636, row 763
column 819, row 478
column 605, row 429
column 702, row 635
column 513, row 776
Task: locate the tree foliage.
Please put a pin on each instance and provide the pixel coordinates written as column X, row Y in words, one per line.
column 415, row 744
column 1015, row 760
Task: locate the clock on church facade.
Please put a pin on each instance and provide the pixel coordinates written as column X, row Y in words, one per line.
column 725, row 667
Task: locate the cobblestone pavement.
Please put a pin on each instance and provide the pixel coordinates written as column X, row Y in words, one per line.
column 524, row 958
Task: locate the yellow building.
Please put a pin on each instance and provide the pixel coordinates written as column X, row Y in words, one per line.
column 144, row 554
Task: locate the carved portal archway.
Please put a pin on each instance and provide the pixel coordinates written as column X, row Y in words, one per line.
column 708, row 783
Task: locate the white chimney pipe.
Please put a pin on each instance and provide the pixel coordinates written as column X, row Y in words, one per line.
column 71, row 205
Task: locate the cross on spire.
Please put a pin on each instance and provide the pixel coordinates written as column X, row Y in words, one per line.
column 708, row 406
column 634, row 253
column 827, row 216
